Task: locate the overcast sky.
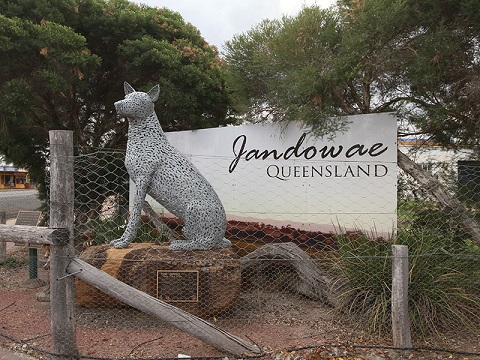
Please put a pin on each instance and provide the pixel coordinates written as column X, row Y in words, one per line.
column 220, row 20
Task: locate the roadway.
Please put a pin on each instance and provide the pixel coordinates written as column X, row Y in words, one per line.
column 15, row 200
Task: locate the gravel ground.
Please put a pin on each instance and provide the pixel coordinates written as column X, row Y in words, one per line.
column 284, row 326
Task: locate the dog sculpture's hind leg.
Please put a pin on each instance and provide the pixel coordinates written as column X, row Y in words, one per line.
column 204, row 227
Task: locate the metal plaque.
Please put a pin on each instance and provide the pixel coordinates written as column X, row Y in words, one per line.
column 178, row 285
column 28, row 218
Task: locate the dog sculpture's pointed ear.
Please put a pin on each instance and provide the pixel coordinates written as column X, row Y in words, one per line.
column 128, row 88
column 154, row 93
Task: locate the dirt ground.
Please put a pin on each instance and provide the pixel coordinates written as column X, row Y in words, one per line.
column 283, row 325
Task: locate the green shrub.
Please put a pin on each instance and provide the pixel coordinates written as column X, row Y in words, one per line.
column 415, row 215
column 13, row 262
column 444, row 286
column 102, row 231
column 363, row 281
column 444, row 283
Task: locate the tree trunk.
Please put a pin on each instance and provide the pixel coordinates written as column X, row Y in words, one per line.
column 311, row 281
column 433, row 186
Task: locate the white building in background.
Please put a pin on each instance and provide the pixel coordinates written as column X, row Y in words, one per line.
column 458, row 170
column 431, row 156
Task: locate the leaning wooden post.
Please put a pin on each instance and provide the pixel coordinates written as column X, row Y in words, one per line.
column 400, row 318
column 62, row 286
column 3, row 245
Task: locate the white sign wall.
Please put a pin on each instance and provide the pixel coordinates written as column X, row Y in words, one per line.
column 283, row 176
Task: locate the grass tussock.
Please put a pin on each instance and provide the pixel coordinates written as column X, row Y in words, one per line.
column 13, row 262
column 444, row 281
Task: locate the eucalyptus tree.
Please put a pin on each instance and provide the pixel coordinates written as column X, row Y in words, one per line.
column 63, row 63
column 62, row 66
column 313, row 66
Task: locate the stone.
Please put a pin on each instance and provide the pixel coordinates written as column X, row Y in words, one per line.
column 204, row 283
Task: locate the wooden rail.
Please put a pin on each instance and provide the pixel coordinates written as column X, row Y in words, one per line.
column 32, row 234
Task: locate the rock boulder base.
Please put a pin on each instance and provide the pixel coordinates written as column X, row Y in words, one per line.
column 201, row 282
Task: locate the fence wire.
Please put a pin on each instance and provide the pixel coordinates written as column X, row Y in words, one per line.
column 280, row 285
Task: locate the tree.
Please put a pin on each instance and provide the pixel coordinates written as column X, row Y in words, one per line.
column 309, row 67
column 62, row 66
column 419, row 59
column 41, row 70
column 63, row 63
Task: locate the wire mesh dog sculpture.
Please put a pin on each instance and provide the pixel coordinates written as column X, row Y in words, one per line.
column 161, row 171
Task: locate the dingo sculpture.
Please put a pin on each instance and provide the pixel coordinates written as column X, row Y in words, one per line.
column 161, row 171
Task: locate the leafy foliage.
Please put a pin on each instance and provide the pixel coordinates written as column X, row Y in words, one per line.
column 444, row 279
column 63, row 63
column 104, row 230
column 417, row 58
column 13, row 262
column 427, row 214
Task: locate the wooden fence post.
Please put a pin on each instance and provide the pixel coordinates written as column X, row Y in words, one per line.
column 400, row 319
column 62, row 286
column 3, row 245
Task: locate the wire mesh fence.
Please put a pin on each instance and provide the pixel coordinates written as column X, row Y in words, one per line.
column 444, row 249
column 283, row 284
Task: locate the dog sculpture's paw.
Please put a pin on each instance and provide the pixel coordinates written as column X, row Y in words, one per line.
column 119, row 243
column 182, row 245
column 225, row 243
column 198, row 245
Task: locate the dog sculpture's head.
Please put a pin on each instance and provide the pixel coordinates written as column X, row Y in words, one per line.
column 137, row 104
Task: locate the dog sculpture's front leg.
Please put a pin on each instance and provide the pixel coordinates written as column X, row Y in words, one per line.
column 134, row 220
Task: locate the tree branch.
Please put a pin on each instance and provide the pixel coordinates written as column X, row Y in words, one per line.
column 346, row 108
column 433, row 186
